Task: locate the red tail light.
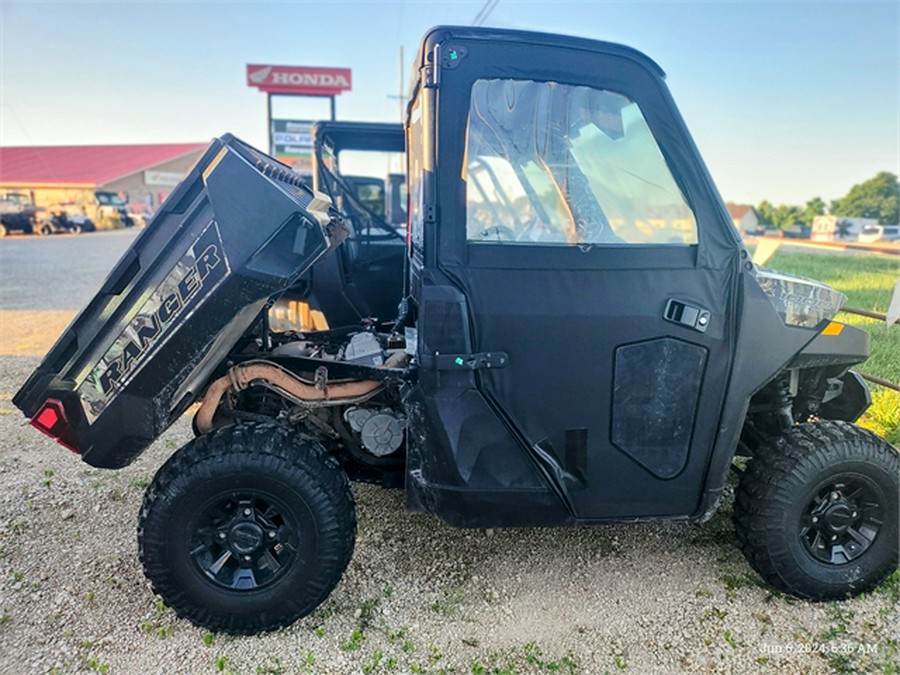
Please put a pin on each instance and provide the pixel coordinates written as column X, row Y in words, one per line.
column 51, row 419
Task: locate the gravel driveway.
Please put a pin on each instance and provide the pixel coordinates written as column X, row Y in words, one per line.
column 418, row 596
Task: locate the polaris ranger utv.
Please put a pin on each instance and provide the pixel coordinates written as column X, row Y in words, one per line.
column 583, row 339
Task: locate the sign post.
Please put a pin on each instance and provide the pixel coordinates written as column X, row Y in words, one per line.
column 297, row 81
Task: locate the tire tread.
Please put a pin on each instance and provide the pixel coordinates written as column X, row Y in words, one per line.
column 770, row 484
column 277, row 447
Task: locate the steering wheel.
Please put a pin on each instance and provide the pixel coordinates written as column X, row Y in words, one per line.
column 498, row 233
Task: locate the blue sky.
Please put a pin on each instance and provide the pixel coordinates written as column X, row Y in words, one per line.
column 787, row 101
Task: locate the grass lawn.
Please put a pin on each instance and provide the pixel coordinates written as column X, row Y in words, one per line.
column 867, row 281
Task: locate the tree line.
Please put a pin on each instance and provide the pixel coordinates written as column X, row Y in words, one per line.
column 878, row 197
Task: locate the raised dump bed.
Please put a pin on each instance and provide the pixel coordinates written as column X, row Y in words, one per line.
column 237, row 231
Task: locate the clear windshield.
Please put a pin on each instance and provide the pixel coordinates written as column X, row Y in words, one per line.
column 368, row 183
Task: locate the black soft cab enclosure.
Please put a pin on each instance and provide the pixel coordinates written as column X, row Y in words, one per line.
column 237, row 231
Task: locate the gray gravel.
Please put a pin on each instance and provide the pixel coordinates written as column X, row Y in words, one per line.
column 418, row 596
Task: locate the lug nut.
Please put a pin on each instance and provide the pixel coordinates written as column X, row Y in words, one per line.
column 272, row 534
column 834, row 537
column 815, row 519
column 247, row 512
column 834, row 495
column 247, row 558
column 855, row 514
column 222, row 535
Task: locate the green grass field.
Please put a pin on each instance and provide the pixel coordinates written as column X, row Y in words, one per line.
column 867, row 281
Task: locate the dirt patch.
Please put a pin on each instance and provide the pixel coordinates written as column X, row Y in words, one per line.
column 31, row 332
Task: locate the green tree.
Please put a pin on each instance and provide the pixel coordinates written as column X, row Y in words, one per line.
column 766, row 213
column 878, row 197
column 779, row 217
column 786, row 215
column 814, row 207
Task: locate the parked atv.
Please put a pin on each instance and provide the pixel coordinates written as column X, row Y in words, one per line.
column 18, row 214
column 583, row 339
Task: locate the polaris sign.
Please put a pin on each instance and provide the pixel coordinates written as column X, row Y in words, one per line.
column 304, row 80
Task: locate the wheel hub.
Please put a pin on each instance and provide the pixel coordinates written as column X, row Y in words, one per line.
column 838, row 517
column 244, row 542
column 245, row 538
column 841, row 522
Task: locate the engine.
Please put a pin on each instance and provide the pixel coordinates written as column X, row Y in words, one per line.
column 381, row 431
column 341, row 386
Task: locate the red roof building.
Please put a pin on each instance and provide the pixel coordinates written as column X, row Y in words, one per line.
column 85, row 165
column 52, row 174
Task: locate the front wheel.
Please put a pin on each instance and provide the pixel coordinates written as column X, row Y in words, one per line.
column 247, row 529
column 816, row 514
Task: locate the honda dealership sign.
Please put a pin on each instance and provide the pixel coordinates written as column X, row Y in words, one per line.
column 302, row 80
column 290, row 140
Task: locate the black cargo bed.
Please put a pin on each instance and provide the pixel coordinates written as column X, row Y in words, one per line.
column 237, row 231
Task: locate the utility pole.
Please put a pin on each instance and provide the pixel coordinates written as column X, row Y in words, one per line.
column 402, row 111
column 401, row 96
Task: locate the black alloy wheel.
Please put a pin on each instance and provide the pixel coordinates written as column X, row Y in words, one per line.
column 244, row 540
column 843, row 519
column 817, row 513
column 248, row 528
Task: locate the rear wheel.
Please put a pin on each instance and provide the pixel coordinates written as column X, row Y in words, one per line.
column 817, row 514
column 247, row 529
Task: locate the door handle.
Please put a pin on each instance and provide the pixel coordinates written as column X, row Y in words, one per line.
column 685, row 314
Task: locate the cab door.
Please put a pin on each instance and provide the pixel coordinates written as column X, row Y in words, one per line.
column 580, row 227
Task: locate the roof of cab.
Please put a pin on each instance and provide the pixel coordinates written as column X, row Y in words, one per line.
column 376, row 136
column 440, row 34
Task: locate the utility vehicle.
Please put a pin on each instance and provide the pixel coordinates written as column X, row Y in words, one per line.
column 582, row 338
column 17, row 212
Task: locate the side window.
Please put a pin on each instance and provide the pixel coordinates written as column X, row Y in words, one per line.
column 556, row 164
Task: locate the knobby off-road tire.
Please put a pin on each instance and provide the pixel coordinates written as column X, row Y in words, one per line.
column 247, row 529
column 817, row 516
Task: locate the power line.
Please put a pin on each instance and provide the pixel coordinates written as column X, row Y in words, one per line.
column 485, row 12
